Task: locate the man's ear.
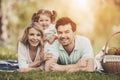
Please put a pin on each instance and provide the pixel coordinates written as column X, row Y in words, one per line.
column 75, row 33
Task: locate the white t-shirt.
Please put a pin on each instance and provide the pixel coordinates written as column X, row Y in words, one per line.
column 24, row 58
column 50, row 31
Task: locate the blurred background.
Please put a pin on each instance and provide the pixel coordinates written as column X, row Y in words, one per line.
column 96, row 19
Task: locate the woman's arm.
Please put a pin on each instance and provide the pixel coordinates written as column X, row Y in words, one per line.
column 22, row 61
column 46, row 56
column 35, row 64
column 29, row 69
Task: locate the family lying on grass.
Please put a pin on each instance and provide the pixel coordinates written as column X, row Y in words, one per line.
column 53, row 46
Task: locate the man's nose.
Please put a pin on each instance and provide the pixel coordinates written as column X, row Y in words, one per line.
column 63, row 35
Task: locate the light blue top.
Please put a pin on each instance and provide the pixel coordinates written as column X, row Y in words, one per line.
column 82, row 49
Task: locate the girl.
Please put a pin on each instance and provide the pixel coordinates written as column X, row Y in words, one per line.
column 46, row 19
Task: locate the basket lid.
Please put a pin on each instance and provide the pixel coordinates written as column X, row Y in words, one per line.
column 111, row 58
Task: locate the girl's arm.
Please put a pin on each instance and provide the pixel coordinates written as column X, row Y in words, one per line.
column 52, row 39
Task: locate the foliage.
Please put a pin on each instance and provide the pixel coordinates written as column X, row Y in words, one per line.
column 107, row 16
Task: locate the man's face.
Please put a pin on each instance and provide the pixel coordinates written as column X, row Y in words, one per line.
column 65, row 34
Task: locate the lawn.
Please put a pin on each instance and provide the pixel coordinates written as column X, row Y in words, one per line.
column 57, row 76
column 7, row 54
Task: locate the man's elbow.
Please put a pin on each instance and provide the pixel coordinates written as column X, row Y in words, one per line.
column 90, row 65
column 90, row 70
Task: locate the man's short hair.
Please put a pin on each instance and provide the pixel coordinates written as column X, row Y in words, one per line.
column 64, row 21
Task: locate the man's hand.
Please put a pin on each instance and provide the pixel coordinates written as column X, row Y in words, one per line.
column 56, row 67
column 83, row 62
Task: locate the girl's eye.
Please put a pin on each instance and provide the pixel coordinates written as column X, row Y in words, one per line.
column 47, row 20
column 40, row 20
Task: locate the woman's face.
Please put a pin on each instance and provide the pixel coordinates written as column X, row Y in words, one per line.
column 44, row 21
column 34, row 37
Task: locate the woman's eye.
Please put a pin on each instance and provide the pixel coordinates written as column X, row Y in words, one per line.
column 38, row 35
column 31, row 34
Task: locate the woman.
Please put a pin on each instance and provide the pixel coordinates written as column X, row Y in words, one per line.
column 30, row 49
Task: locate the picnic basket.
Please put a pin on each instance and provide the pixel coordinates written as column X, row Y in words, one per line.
column 111, row 63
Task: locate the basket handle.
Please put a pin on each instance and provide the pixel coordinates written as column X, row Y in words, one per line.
column 108, row 40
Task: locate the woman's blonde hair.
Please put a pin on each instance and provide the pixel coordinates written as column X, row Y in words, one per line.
column 24, row 38
column 36, row 26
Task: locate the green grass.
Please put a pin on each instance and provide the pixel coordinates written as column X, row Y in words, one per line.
column 57, row 76
column 6, row 54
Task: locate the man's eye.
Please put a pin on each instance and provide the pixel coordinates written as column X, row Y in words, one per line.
column 59, row 33
column 67, row 32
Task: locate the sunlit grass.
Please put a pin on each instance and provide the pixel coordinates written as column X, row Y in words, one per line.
column 57, row 76
column 6, row 54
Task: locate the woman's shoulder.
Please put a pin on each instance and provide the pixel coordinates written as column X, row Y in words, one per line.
column 20, row 44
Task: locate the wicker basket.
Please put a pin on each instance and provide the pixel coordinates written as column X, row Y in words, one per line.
column 111, row 63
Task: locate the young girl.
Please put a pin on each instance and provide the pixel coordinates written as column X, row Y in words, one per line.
column 46, row 19
column 31, row 48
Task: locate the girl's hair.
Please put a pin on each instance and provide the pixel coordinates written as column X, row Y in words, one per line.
column 51, row 14
column 36, row 26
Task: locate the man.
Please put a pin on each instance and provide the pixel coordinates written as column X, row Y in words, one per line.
column 71, row 53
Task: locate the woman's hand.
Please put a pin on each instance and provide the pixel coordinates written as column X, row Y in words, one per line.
column 24, row 69
column 47, row 56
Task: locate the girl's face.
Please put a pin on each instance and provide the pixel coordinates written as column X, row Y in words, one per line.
column 34, row 37
column 44, row 21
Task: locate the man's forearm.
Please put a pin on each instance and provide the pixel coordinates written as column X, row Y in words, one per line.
column 69, row 66
column 83, row 65
column 86, row 65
